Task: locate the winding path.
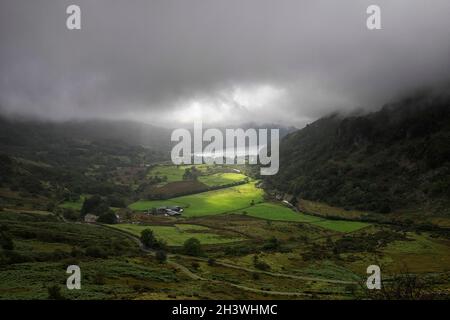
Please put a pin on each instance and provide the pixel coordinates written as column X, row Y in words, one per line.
column 194, row 276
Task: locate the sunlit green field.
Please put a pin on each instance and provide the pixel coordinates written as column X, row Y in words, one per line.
column 176, row 235
column 220, row 179
column 211, row 202
column 143, row 205
column 75, row 205
column 272, row 211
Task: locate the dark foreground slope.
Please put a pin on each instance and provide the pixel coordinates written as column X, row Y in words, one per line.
column 396, row 158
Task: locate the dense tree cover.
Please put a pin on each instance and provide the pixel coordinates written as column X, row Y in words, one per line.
column 108, row 217
column 99, row 206
column 64, row 161
column 392, row 159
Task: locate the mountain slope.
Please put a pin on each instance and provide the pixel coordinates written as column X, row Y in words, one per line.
column 396, row 158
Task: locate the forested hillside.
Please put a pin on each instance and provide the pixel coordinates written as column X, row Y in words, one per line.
column 393, row 159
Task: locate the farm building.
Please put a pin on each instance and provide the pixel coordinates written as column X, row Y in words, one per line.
column 171, row 211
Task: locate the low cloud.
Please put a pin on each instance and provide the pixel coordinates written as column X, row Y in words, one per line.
column 231, row 61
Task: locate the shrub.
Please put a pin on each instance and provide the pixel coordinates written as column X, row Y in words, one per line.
column 161, row 256
column 272, row 244
column 192, row 247
column 96, row 252
column 261, row 265
column 148, row 238
column 54, row 293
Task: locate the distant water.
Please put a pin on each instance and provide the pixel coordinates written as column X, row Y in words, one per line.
column 240, row 152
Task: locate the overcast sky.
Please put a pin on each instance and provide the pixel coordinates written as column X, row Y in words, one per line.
column 227, row 61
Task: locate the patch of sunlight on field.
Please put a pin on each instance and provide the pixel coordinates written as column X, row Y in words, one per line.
column 220, row 179
column 273, row 211
column 176, row 235
column 75, row 205
column 143, row 205
column 211, row 202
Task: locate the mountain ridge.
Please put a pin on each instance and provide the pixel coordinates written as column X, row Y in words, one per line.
column 392, row 159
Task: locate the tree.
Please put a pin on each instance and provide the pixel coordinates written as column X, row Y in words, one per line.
column 116, row 201
column 109, row 218
column 70, row 214
column 148, row 238
column 90, row 204
column 191, row 173
column 192, row 247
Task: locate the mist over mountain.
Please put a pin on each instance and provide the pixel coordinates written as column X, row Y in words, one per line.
column 15, row 133
column 390, row 160
column 225, row 62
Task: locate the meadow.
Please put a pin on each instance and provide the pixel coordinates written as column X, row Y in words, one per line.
column 211, row 202
column 74, row 205
column 177, row 234
column 171, row 172
column 273, row 211
column 244, row 199
column 220, row 179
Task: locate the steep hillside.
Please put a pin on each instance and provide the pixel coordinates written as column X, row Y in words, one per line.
column 396, row 158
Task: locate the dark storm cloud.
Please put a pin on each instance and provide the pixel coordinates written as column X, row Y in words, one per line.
column 152, row 60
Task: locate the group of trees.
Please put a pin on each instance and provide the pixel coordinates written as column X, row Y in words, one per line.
column 149, row 240
column 191, row 173
column 191, row 246
column 101, row 207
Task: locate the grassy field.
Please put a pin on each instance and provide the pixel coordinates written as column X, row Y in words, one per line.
column 220, row 179
column 211, row 202
column 341, row 225
column 177, row 234
column 143, row 205
column 173, row 173
column 421, row 253
column 119, row 279
column 75, row 205
column 272, row 211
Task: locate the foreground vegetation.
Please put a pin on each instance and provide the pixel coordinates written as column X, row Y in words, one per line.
column 239, row 236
